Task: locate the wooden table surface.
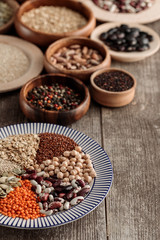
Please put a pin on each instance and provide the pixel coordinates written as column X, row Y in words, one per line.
column 131, row 136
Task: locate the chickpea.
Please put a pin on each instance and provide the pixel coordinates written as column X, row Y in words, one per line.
column 84, row 165
column 36, row 166
column 31, row 168
column 47, row 162
column 42, row 166
column 66, row 174
column 77, row 169
column 73, row 172
column 51, row 173
column 93, row 173
column 86, row 175
column 69, row 168
column 56, row 164
column 55, row 159
column 79, row 164
column 65, row 179
column 63, row 169
column 46, row 169
column 88, row 179
column 60, row 175
column 88, row 161
column 86, row 170
column 73, row 159
column 90, row 165
column 80, row 160
column 65, row 163
column 66, row 153
column 62, row 159
column 71, row 177
column 86, row 156
column 38, row 170
column 78, row 149
column 56, row 170
column 46, row 175
column 77, row 177
column 80, row 174
column 72, row 164
column 51, row 167
column 74, row 152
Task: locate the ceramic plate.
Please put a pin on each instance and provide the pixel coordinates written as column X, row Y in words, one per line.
column 100, row 187
column 129, row 56
column 35, row 57
column 149, row 15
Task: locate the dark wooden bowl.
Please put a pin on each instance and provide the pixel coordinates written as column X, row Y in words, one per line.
column 14, row 5
column 83, row 75
column 44, row 39
column 62, row 118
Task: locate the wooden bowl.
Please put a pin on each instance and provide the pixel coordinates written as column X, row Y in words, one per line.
column 63, row 118
column 108, row 98
column 44, row 39
column 129, row 56
column 83, row 75
column 14, row 5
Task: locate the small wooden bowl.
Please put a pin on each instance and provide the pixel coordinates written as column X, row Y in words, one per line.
column 62, row 118
column 108, row 98
column 83, row 75
column 44, row 39
column 6, row 27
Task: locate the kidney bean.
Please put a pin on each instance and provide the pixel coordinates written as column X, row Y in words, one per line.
column 59, row 199
column 33, row 176
column 66, row 205
column 46, row 183
column 74, row 195
column 54, row 205
column 45, row 206
column 80, row 182
column 76, row 200
column 74, row 183
column 39, row 179
column 47, row 190
column 57, row 183
column 58, row 189
column 30, row 171
column 52, row 180
column 51, row 198
column 38, row 189
column 69, row 195
column 25, row 176
column 84, row 191
column 33, row 188
column 40, row 174
column 33, row 182
column 61, row 195
column 44, row 197
column 40, row 205
column 68, row 188
column 50, row 212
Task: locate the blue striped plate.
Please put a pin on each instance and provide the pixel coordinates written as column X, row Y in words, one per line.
column 100, row 187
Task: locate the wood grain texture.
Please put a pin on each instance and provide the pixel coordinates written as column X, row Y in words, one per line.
column 131, row 137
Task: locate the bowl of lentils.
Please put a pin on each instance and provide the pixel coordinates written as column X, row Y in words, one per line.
column 8, row 9
column 112, row 87
column 77, row 57
column 43, row 22
column 54, row 98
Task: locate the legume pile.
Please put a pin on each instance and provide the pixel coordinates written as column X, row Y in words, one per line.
column 5, row 13
column 126, row 39
column 50, row 19
column 14, row 63
column 124, row 6
column 114, row 81
column 55, row 97
column 56, row 178
column 76, row 57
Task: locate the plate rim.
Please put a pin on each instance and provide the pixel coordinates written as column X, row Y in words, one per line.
column 107, row 189
column 35, row 64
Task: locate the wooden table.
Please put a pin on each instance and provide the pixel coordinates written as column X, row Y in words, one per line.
column 131, row 137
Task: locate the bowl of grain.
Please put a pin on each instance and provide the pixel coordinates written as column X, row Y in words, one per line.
column 8, row 9
column 77, row 57
column 43, row 22
column 54, row 98
column 112, row 87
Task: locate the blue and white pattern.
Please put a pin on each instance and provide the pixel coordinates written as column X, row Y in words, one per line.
column 100, row 187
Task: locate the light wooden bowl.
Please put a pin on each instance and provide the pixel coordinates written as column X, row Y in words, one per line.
column 62, row 118
column 83, row 75
column 149, row 15
column 14, row 5
column 44, row 39
column 129, row 56
column 108, row 98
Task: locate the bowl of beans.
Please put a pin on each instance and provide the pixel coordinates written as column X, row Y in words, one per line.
column 44, row 22
column 78, row 57
column 54, row 98
column 8, row 9
column 113, row 87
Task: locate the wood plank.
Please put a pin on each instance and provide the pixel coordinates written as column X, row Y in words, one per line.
column 131, row 138
column 92, row 226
